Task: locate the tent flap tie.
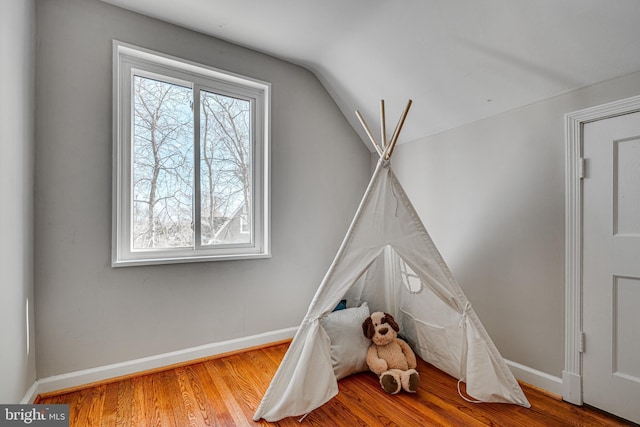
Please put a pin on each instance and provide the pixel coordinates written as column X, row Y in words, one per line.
column 464, row 397
column 463, row 324
column 463, row 315
column 303, row 417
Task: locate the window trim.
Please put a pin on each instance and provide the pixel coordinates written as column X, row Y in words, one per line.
column 126, row 59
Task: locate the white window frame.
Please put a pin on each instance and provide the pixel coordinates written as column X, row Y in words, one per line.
column 128, row 59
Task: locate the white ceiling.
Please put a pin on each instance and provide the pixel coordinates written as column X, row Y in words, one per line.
column 458, row 60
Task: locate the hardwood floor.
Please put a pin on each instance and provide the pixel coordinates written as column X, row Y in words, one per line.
column 226, row 391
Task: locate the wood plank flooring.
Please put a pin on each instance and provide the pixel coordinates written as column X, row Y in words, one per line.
column 226, row 391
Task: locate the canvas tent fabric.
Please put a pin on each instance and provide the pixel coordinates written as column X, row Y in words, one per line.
column 388, row 260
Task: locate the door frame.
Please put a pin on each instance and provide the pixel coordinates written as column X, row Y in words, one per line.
column 574, row 171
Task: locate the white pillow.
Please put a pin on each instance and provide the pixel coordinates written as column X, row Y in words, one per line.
column 348, row 344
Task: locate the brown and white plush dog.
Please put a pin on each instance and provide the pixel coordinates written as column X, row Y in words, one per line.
column 389, row 357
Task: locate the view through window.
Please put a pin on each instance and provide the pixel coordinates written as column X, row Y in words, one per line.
column 192, row 163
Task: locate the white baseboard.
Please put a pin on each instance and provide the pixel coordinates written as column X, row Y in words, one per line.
column 88, row 376
column 31, row 394
column 536, row 378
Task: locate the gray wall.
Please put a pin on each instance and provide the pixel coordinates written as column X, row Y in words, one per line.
column 491, row 194
column 90, row 314
column 17, row 54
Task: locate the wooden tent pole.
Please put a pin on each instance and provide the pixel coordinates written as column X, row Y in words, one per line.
column 383, row 125
column 385, row 150
column 394, row 139
column 369, row 134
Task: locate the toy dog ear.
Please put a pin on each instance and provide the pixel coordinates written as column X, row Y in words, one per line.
column 391, row 322
column 367, row 328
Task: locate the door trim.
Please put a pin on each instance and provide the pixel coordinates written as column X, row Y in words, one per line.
column 574, row 125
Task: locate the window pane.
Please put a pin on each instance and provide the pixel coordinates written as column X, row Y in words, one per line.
column 162, row 165
column 191, row 171
column 225, row 169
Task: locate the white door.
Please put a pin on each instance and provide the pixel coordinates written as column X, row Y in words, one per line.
column 611, row 265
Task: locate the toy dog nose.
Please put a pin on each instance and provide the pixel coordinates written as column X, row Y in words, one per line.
column 384, row 331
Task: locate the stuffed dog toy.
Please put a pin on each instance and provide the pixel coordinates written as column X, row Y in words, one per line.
column 389, row 357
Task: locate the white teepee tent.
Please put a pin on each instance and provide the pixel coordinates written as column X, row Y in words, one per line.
column 388, row 261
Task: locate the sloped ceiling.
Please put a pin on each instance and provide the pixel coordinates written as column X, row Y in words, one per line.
column 458, row 60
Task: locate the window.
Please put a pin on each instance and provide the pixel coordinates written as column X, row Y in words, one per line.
column 191, row 161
